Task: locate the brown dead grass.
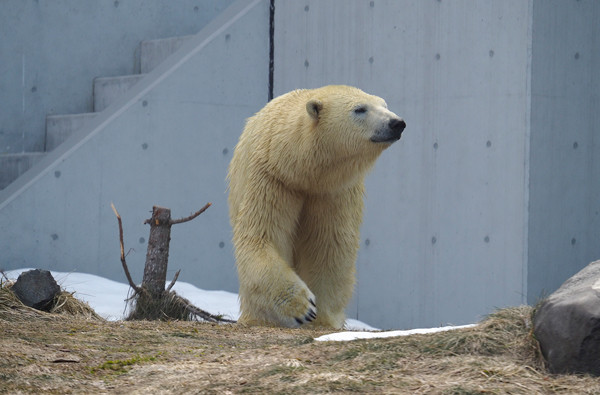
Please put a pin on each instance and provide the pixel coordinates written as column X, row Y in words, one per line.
column 11, row 308
column 65, row 353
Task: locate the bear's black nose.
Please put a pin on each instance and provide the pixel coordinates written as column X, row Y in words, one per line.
column 397, row 124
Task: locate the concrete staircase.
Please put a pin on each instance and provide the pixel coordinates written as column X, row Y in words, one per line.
column 106, row 91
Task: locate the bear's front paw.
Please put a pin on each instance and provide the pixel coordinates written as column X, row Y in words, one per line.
column 296, row 307
column 310, row 316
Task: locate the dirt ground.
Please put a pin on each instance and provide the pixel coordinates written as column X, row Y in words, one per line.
column 61, row 354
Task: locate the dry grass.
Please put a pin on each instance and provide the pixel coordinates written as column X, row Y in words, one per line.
column 62, row 353
column 11, row 308
column 66, row 303
column 167, row 307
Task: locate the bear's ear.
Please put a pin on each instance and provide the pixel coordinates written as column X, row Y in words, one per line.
column 314, row 107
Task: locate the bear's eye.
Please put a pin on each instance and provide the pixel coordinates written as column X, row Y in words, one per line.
column 360, row 110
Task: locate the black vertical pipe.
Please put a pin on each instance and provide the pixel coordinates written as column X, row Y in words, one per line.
column 271, row 46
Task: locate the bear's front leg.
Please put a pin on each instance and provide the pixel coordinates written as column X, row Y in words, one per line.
column 271, row 293
column 326, row 248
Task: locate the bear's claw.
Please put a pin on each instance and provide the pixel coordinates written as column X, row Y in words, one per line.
column 309, row 317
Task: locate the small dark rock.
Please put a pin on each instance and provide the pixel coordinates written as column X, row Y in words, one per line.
column 36, row 288
column 567, row 324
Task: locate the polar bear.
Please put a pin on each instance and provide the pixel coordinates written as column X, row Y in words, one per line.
column 296, row 185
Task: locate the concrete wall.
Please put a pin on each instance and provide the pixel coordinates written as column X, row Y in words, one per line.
column 564, row 229
column 168, row 142
column 51, row 50
column 489, row 199
column 444, row 235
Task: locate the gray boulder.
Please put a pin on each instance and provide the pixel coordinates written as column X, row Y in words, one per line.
column 36, row 288
column 567, row 324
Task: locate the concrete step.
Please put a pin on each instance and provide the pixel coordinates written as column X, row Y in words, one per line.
column 108, row 89
column 13, row 165
column 60, row 127
column 153, row 52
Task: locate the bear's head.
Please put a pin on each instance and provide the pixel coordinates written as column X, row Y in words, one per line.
column 324, row 139
column 352, row 120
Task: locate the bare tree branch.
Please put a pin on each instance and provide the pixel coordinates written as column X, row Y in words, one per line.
column 191, row 217
column 173, row 281
column 125, row 268
column 204, row 314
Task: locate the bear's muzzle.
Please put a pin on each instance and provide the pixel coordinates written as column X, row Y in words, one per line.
column 391, row 132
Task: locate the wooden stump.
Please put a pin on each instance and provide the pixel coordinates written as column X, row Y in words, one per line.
column 157, row 257
column 151, row 301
